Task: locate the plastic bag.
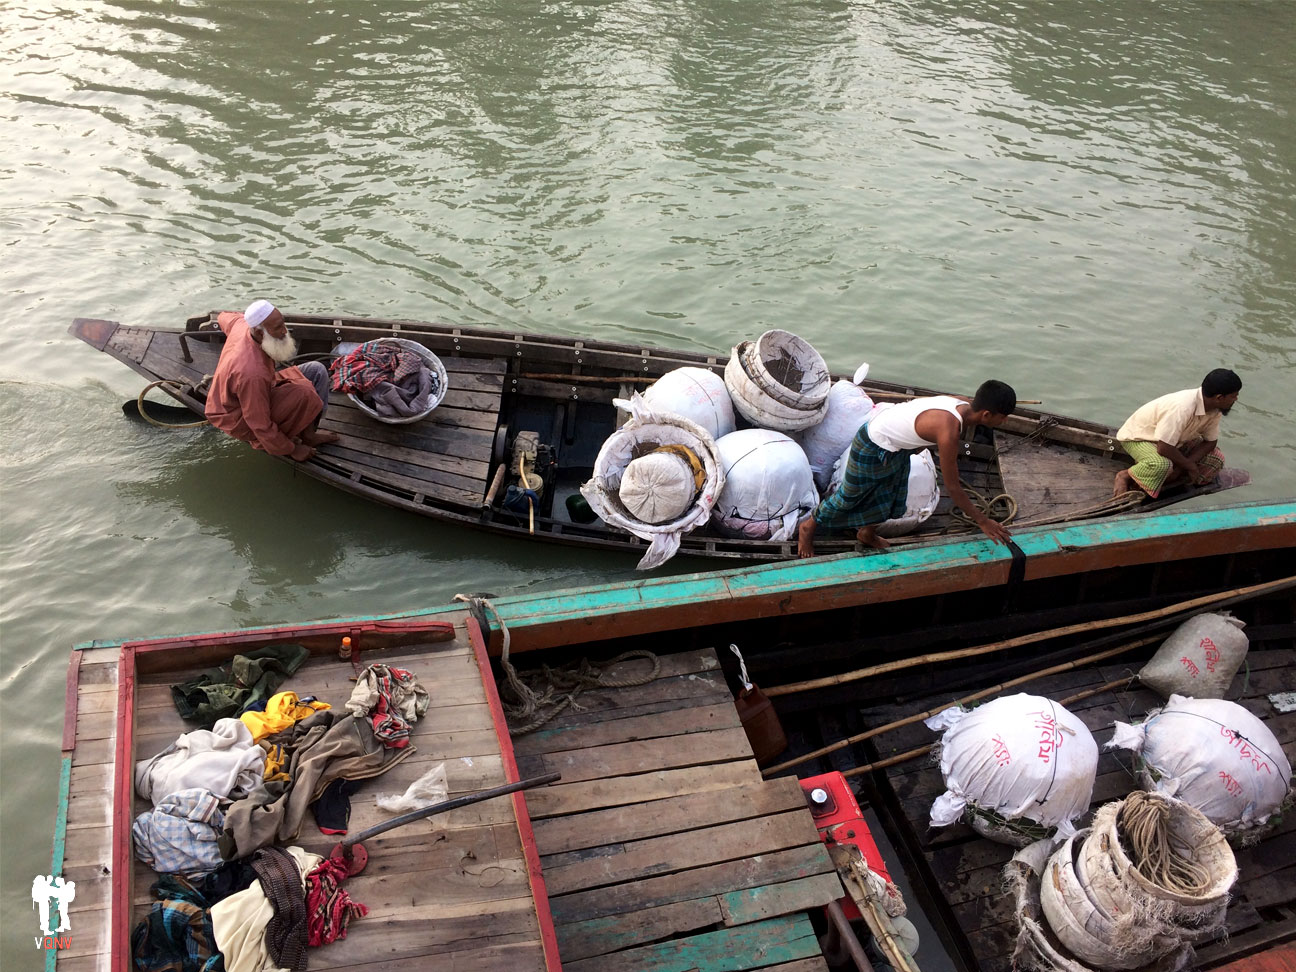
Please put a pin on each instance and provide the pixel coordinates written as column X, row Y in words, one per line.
column 428, row 789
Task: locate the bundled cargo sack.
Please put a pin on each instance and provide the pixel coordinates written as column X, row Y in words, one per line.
column 1200, row 659
column 849, row 407
column 768, row 488
column 691, row 467
column 920, row 501
column 1017, row 766
column 1214, row 755
column 697, row 394
column 778, row 382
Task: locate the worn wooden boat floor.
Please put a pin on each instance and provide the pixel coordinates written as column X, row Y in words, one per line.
column 662, row 848
column 455, row 889
column 966, row 870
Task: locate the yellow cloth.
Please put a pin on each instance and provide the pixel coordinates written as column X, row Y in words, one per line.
column 1177, row 418
column 280, row 712
column 276, row 763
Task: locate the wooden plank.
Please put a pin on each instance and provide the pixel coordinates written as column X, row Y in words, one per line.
column 591, row 795
column 620, row 759
column 784, row 939
column 698, row 719
column 673, row 814
column 750, row 872
column 755, row 904
column 447, row 471
column 598, row 936
column 402, row 937
column 618, row 863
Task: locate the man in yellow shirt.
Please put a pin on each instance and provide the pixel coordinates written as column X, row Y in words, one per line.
column 1173, row 438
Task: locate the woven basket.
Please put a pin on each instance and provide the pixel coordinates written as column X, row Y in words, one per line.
column 438, row 372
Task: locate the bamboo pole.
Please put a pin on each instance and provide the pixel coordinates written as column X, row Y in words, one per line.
column 924, row 750
column 909, row 720
column 1027, row 639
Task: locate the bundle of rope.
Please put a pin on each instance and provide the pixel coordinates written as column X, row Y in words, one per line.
column 535, row 697
column 1001, row 508
column 1145, row 826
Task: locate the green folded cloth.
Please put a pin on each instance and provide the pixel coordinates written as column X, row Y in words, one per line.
column 245, row 680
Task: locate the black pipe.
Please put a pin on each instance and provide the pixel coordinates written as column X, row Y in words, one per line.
column 454, row 804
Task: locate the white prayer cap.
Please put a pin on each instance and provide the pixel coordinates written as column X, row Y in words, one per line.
column 257, row 312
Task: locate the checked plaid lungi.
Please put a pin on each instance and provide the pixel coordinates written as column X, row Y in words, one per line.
column 1151, row 469
column 874, row 490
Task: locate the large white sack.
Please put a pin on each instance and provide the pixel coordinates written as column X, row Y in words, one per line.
column 779, row 381
column 849, row 407
column 920, row 501
column 647, row 430
column 1200, row 659
column 658, row 487
column 1020, row 756
column 697, row 394
column 768, row 487
column 1214, row 755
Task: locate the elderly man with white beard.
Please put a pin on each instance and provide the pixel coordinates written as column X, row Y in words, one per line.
column 275, row 411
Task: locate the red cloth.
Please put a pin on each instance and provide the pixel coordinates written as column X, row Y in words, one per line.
column 251, row 401
column 329, row 909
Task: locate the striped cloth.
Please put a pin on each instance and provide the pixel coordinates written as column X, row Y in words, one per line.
column 1151, row 469
column 874, row 490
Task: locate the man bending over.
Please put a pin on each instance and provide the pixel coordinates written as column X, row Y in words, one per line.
column 275, row 411
column 877, row 471
column 1172, row 439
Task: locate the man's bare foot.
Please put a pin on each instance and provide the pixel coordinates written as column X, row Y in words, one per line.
column 868, row 536
column 314, row 437
column 1124, row 483
column 805, row 537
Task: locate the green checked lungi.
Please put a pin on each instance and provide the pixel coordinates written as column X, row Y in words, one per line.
column 874, row 490
column 1151, row 469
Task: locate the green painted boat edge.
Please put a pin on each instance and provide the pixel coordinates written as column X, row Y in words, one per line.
column 522, row 610
column 60, row 838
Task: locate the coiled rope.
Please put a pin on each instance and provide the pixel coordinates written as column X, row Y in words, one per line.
column 1001, row 508
column 1144, row 824
column 535, row 697
column 139, row 404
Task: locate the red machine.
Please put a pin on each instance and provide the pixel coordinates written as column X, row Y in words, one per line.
column 839, row 820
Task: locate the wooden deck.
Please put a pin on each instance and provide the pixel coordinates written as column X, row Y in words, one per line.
column 1049, row 479
column 455, row 889
column 966, row 870
column 662, row 848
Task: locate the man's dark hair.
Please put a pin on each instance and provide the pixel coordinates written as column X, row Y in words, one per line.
column 995, row 396
column 1221, row 381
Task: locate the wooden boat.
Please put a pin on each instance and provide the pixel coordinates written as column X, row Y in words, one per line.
column 665, row 773
column 451, row 465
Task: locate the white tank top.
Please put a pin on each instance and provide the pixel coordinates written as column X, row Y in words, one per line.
column 892, row 428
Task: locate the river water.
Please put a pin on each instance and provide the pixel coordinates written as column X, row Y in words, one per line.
column 1092, row 201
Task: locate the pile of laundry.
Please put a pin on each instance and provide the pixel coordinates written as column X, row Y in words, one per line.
column 228, row 799
column 395, row 378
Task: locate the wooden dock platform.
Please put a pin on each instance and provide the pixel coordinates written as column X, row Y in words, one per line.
column 965, row 870
column 457, row 889
column 662, row 848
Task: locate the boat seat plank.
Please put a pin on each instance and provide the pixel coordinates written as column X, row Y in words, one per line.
column 601, row 762
column 688, row 811
column 444, row 414
column 1046, row 478
column 559, row 798
column 614, row 863
column 757, row 945
column 700, row 719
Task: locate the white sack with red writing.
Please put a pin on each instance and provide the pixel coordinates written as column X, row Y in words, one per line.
column 1021, row 756
column 1199, row 659
column 1214, row 755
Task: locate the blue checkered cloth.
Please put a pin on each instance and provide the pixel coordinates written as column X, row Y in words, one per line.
column 177, row 934
column 179, row 835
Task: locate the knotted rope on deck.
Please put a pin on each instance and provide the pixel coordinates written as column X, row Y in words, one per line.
column 1145, row 824
column 535, row 697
